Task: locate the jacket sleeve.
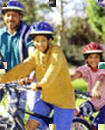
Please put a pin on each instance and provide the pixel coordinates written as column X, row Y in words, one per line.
column 55, row 63
column 19, row 71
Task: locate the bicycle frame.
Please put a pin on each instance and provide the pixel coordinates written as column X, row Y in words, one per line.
column 79, row 115
column 84, row 95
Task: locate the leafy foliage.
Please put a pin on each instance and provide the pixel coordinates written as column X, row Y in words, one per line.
column 81, row 32
column 34, row 10
column 96, row 18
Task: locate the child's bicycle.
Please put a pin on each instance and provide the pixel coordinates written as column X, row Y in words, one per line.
column 84, row 110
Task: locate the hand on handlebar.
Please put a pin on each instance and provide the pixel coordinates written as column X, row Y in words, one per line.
column 28, row 79
column 35, row 86
column 24, row 81
column 95, row 94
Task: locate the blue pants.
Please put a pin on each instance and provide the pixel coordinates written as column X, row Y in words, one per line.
column 100, row 118
column 62, row 117
column 30, row 97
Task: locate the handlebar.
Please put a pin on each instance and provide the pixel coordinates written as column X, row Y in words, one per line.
column 86, row 94
column 18, row 87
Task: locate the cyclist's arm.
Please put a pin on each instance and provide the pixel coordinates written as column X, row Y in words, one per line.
column 99, row 81
column 20, row 71
column 95, row 90
column 76, row 76
column 97, row 85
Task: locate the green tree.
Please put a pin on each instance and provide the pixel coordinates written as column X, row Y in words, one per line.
column 80, row 32
column 96, row 17
column 34, row 10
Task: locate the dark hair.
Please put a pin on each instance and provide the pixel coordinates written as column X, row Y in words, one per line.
column 49, row 36
column 101, row 56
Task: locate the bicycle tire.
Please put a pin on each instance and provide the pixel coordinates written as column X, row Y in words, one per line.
column 80, row 124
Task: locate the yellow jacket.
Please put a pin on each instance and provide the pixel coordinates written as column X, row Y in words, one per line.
column 51, row 72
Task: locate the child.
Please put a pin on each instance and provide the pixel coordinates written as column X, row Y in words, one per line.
column 94, row 77
column 52, row 75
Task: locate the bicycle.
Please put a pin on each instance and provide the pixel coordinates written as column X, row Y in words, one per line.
column 79, row 121
column 12, row 120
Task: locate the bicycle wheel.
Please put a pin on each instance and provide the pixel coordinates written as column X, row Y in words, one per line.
column 80, row 124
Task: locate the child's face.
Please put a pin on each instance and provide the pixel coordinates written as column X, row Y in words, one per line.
column 41, row 42
column 93, row 60
column 12, row 19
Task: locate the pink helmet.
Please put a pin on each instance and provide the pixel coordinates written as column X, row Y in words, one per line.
column 92, row 48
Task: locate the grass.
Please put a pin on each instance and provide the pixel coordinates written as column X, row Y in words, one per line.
column 79, row 84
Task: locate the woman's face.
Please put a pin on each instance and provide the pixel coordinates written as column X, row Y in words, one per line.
column 93, row 60
column 41, row 42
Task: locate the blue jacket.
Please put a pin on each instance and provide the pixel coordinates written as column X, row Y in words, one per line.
column 13, row 47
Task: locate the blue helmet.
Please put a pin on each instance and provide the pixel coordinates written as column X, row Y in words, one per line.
column 41, row 28
column 14, row 5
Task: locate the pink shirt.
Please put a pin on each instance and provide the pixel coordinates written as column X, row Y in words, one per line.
column 91, row 76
